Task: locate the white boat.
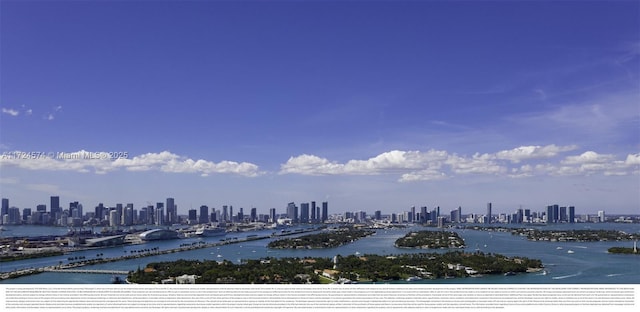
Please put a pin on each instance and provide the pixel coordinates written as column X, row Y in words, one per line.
column 413, row 278
column 558, row 247
column 570, row 251
column 211, row 231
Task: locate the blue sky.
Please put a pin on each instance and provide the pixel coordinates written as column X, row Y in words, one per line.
column 370, row 105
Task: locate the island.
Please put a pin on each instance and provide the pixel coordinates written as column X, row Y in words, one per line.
column 623, row 250
column 562, row 235
column 430, row 239
column 326, row 239
column 340, row 269
column 575, row 235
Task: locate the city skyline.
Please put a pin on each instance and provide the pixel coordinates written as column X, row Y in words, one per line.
column 368, row 105
column 53, row 204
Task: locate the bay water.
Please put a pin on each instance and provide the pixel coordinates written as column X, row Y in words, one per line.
column 589, row 262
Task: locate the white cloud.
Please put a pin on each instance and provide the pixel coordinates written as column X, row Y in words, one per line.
column 633, row 160
column 423, row 175
column 392, row 161
column 589, row 157
column 482, row 164
column 438, row 165
column 11, row 112
column 102, row 163
column 521, row 153
column 310, row 165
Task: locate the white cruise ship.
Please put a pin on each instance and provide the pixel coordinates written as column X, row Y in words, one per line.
column 210, row 231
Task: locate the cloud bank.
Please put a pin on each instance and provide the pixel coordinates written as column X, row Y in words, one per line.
column 437, row 164
column 102, row 162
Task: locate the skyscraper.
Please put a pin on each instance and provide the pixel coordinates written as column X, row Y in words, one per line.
column 254, row 214
column 225, row 213
column 292, row 212
column 572, row 214
column 314, row 213
column 549, row 214
column 488, row 216
column 272, row 214
column 193, row 216
column 204, row 214
column 159, row 217
column 5, row 208
column 304, row 213
column 325, row 211
column 172, row 214
column 55, row 206
column 562, row 215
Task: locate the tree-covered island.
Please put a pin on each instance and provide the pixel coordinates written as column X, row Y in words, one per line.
column 625, row 250
column 574, row 235
column 367, row 269
column 326, row 239
column 430, row 239
column 563, row 235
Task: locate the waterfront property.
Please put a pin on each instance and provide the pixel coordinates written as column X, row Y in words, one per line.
column 430, row 239
column 326, row 239
column 349, row 269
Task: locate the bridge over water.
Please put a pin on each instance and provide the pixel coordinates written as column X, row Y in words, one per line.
column 88, row 271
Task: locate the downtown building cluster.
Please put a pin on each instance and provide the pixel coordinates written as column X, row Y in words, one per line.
column 423, row 215
column 162, row 213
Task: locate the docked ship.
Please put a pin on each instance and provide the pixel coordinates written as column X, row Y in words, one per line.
column 211, row 231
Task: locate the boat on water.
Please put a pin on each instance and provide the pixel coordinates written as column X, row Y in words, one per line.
column 414, row 278
column 558, row 247
column 211, row 231
column 116, row 280
column 570, row 251
column 509, row 273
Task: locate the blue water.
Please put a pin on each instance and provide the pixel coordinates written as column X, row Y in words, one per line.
column 589, row 264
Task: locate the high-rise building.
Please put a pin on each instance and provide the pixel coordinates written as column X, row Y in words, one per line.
column 26, row 213
column 572, row 214
column 5, row 207
column 254, row 214
column 562, row 215
column 304, row 213
column 412, row 214
column 272, row 214
column 193, row 216
column 456, row 215
column 128, row 217
column 240, row 217
column 225, row 213
column 325, row 211
column 159, row 214
column 488, row 216
column 292, row 212
column 378, row 215
column 314, row 213
column 601, row 216
column 114, row 218
column 13, row 217
column 204, row 214
column 172, row 214
column 56, row 211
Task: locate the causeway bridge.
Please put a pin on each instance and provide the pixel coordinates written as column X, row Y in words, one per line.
column 88, row 271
